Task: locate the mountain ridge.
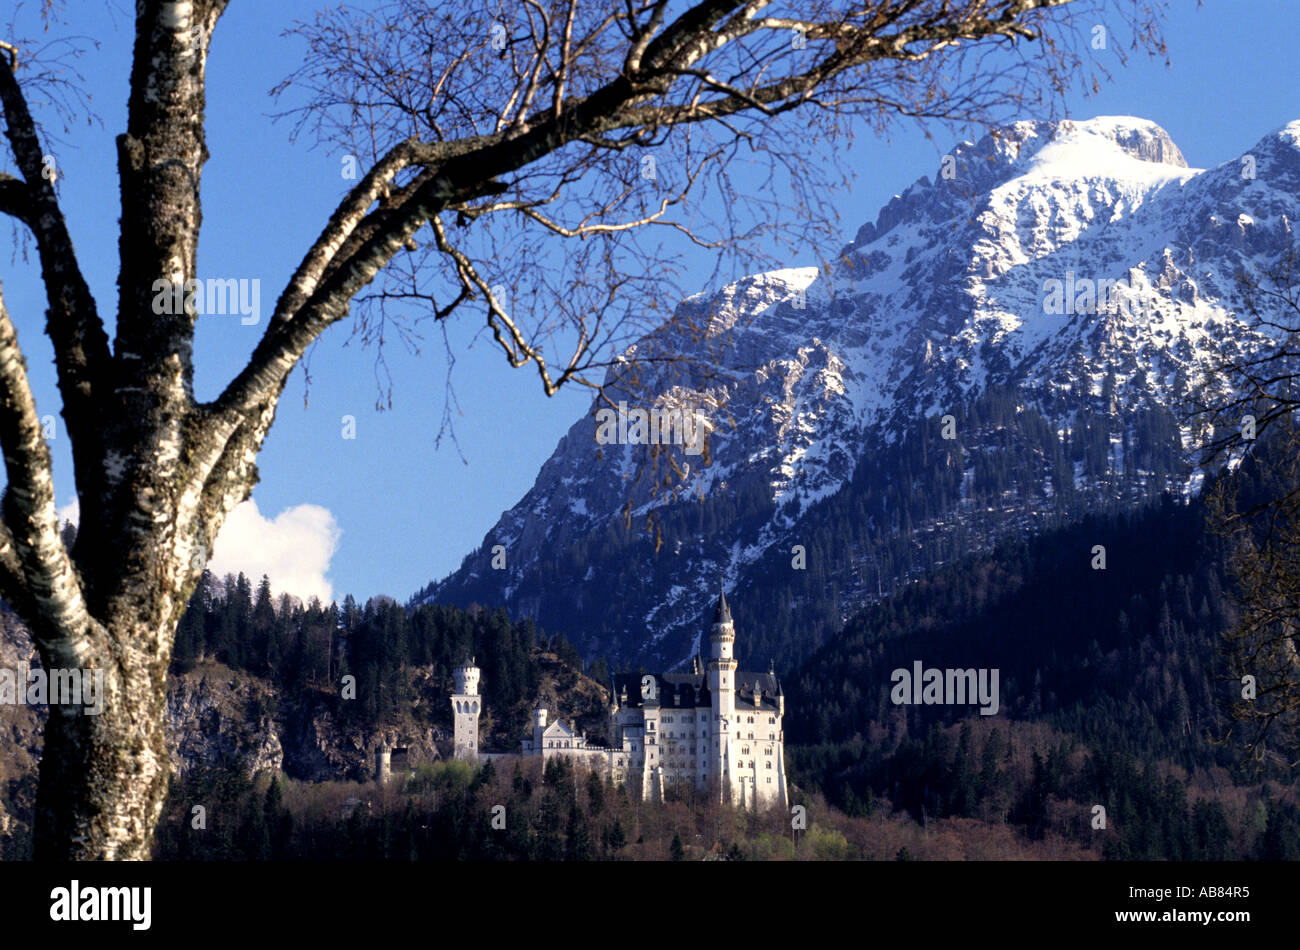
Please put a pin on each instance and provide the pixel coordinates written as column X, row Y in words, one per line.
column 948, row 298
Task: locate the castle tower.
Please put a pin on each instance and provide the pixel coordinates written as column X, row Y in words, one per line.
column 722, row 690
column 383, row 764
column 465, row 707
column 722, row 659
column 539, row 727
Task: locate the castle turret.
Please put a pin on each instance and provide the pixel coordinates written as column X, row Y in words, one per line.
column 722, row 660
column 467, row 679
column 722, row 692
column 466, row 706
column 383, row 764
column 539, row 727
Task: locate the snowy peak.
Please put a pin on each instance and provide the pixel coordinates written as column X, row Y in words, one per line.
column 1112, row 140
column 1118, row 148
column 1273, row 161
column 1105, row 146
column 1289, row 134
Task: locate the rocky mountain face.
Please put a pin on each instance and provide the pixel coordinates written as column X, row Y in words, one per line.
column 1008, row 346
column 225, row 719
column 229, row 719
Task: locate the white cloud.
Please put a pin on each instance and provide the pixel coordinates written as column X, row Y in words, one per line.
column 293, row 549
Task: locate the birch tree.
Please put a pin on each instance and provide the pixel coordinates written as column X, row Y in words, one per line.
column 485, row 130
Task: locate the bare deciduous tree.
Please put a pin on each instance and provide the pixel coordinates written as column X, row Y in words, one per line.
column 502, row 150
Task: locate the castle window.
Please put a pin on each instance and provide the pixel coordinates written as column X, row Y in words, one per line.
column 771, row 720
column 769, row 765
column 751, row 719
column 668, row 718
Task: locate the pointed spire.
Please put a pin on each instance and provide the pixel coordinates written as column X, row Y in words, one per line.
column 723, row 613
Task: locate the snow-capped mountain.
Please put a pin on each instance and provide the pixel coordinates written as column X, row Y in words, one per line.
column 1006, row 346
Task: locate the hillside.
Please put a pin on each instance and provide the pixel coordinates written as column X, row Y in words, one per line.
column 1114, row 690
column 250, row 692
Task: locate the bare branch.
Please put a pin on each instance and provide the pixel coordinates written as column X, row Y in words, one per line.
column 73, row 323
column 658, row 83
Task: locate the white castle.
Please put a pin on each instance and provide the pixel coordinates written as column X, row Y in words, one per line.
column 718, row 730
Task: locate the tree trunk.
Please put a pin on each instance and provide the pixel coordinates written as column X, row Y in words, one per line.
column 103, row 778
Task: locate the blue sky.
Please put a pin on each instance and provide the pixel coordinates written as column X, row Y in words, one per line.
column 388, row 511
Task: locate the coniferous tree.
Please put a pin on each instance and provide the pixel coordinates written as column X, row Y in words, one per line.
column 578, row 838
column 675, row 850
column 595, row 793
column 616, row 838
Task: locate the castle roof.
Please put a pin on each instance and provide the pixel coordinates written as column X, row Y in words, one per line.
column 670, row 690
column 560, row 729
column 723, row 612
column 746, row 683
column 691, row 690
